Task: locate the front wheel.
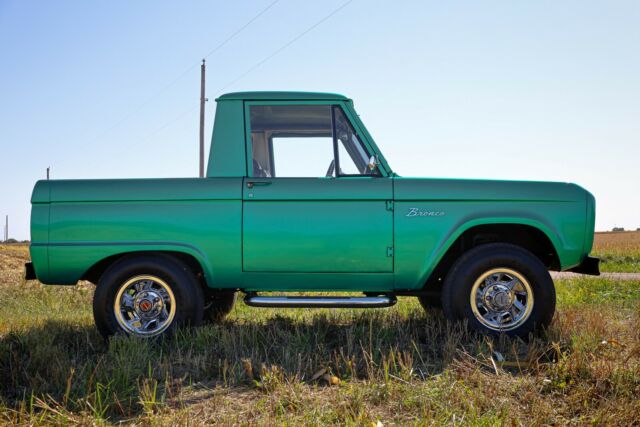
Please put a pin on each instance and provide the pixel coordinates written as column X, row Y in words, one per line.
column 147, row 296
column 500, row 288
column 430, row 302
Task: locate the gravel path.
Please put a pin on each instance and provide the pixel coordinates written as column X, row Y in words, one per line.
column 616, row 276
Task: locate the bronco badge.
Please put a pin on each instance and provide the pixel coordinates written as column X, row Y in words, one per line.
column 421, row 212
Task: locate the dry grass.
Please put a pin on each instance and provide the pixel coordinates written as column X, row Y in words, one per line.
column 318, row 367
column 619, row 251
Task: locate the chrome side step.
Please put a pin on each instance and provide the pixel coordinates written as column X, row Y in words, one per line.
column 254, row 300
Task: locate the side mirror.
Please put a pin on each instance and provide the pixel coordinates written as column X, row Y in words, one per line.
column 373, row 162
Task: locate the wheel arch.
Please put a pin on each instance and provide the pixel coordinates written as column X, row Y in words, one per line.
column 94, row 272
column 532, row 236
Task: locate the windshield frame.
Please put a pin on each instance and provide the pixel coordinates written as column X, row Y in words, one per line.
column 360, row 146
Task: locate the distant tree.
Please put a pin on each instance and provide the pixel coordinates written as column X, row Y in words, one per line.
column 11, row 241
column 618, row 229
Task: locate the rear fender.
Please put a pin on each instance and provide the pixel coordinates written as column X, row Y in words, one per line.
column 74, row 261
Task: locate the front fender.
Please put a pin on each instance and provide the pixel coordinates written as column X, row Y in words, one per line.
column 431, row 263
column 422, row 242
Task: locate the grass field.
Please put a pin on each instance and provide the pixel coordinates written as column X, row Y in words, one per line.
column 396, row 366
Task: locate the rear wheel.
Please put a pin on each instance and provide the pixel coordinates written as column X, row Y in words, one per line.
column 500, row 288
column 218, row 305
column 147, row 296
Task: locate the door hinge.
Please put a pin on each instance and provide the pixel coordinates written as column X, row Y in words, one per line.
column 389, row 251
column 389, row 205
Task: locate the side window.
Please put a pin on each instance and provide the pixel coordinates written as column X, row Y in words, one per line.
column 292, row 141
column 305, row 141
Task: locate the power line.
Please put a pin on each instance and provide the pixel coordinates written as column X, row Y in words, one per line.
column 286, row 45
column 256, row 65
column 185, row 72
column 239, row 30
column 172, row 121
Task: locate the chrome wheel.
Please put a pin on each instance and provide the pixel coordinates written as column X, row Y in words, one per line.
column 144, row 306
column 501, row 299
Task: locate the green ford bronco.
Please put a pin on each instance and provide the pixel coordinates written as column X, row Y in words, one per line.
column 298, row 198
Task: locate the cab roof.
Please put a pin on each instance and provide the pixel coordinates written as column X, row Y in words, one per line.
column 281, row 96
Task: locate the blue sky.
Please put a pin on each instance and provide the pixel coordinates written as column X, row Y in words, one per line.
column 544, row 90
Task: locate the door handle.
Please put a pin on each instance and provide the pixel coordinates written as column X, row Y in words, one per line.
column 251, row 184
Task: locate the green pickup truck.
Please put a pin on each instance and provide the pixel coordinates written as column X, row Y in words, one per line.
column 298, row 198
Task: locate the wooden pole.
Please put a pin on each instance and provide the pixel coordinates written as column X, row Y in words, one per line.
column 202, row 100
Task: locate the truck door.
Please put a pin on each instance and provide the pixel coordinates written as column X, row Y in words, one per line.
column 311, row 202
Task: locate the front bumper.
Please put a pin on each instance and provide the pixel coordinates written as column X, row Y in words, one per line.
column 29, row 271
column 590, row 265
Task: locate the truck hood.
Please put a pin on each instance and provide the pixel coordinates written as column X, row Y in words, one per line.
column 485, row 190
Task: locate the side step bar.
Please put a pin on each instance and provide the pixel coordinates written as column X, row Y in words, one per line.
column 319, row 302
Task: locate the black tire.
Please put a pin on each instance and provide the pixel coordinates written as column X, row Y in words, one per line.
column 180, row 279
column 431, row 303
column 218, row 305
column 471, row 266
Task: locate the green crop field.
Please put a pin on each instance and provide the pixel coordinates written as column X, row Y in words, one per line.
column 396, row 366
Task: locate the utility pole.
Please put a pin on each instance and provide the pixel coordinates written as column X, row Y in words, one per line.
column 6, row 228
column 48, row 173
column 202, row 101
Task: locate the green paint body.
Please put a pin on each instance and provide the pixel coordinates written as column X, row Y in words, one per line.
column 341, row 234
